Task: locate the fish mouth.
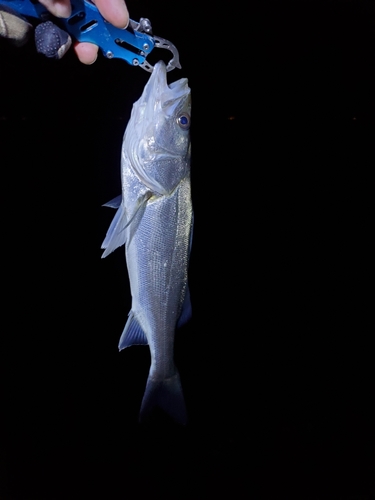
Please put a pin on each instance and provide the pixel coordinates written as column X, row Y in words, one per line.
column 158, row 89
column 180, row 86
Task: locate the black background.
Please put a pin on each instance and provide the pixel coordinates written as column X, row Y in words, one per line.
column 276, row 362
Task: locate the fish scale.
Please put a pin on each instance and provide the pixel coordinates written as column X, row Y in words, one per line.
column 161, row 296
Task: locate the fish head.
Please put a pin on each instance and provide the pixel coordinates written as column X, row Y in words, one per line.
column 157, row 138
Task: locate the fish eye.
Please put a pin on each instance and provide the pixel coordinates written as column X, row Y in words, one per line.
column 184, row 121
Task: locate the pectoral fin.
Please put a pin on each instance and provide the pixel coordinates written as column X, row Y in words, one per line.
column 116, row 234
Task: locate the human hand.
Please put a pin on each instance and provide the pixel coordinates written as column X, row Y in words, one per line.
column 51, row 40
column 114, row 11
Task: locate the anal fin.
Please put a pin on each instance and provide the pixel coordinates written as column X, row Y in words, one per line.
column 132, row 334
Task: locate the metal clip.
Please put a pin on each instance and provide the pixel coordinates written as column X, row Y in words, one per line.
column 86, row 24
column 160, row 43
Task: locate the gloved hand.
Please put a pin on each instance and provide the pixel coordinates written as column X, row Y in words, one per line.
column 13, row 27
column 50, row 39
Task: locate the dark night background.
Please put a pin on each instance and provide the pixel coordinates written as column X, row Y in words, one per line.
column 276, row 362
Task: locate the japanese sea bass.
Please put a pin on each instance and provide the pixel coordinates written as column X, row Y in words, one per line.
column 154, row 220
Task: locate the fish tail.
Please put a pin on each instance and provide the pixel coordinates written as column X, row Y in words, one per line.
column 167, row 395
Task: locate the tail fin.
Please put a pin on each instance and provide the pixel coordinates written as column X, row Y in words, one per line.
column 167, row 395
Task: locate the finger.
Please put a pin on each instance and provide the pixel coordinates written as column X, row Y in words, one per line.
column 115, row 11
column 59, row 8
column 51, row 41
column 86, row 52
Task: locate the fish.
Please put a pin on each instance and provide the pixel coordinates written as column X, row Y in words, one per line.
column 154, row 219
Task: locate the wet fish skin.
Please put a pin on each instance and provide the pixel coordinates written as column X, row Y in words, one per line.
column 155, row 220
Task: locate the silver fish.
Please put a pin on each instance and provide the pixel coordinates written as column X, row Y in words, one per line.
column 154, row 220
